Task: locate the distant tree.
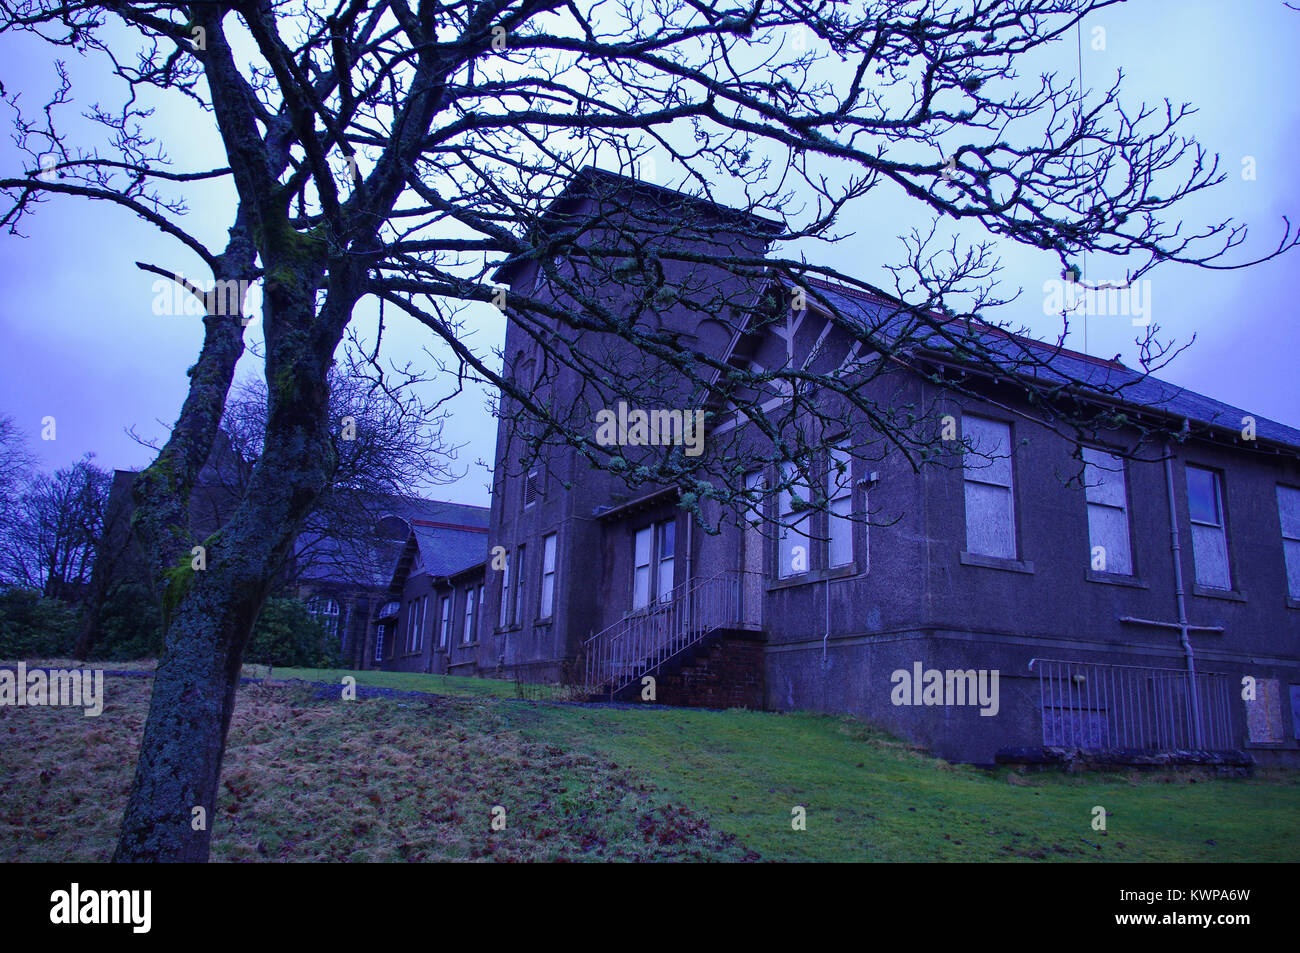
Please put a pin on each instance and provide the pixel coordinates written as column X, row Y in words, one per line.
column 34, row 627
column 56, row 526
column 16, row 463
column 389, row 447
column 402, row 151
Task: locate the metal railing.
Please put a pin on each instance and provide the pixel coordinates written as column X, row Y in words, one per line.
column 636, row 646
column 1103, row 707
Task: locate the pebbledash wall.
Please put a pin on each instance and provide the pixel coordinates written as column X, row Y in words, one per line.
column 830, row 638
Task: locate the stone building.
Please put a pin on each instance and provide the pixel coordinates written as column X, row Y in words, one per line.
column 989, row 606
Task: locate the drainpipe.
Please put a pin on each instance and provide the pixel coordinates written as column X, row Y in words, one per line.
column 1180, row 597
column 827, row 635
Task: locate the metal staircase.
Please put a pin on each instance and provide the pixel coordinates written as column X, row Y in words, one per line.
column 622, row 654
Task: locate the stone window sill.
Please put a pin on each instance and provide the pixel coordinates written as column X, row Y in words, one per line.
column 997, row 562
column 814, row 576
column 1231, row 595
column 1292, row 603
column 1115, row 579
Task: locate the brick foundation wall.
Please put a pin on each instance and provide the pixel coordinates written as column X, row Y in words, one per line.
column 728, row 674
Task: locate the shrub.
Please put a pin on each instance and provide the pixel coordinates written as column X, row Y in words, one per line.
column 287, row 634
column 34, row 627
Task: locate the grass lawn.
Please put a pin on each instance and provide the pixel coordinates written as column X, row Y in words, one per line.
column 309, row 776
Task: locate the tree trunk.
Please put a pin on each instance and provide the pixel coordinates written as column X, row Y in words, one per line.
column 208, row 614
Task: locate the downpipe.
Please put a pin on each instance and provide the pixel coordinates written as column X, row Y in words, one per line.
column 1180, row 597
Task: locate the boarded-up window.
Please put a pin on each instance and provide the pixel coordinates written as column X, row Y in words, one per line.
column 1264, row 712
column 792, row 553
column 1288, row 510
column 990, row 506
column 1108, row 528
column 1209, row 533
column 839, row 490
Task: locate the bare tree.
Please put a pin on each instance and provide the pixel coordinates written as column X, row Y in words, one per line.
column 390, row 448
column 54, row 531
column 16, row 462
column 405, row 151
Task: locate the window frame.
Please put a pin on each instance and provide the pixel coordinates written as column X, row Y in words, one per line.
column 517, row 612
column 503, row 611
column 1221, row 526
column 1288, row 571
column 837, row 493
column 546, row 595
column 785, row 508
column 446, row 612
column 981, row 475
column 1125, row 509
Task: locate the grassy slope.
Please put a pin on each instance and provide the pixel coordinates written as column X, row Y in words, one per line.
column 414, row 778
column 870, row 797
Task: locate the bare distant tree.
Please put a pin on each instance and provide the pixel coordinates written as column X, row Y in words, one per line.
column 16, row 462
column 55, row 528
column 402, row 151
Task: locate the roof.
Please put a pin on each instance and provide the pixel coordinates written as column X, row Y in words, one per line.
column 444, row 550
column 1112, row 379
column 591, row 181
column 375, row 562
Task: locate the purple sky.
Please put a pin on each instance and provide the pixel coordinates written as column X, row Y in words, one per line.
column 79, row 340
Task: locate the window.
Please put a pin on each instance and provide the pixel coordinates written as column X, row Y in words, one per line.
column 1107, row 501
column 793, row 546
column 1209, row 535
column 530, row 489
column 642, row 547
column 519, row 588
column 326, row 611
column 1288, row 510
column 379, row 643
column 411, row 608
column 504, row 617
column 471, row 605
column 546, row 604
column 839, row 491
column 990, row 506
column 424, row 619
column 654, row 559
column 444, row 630
column 667, row 533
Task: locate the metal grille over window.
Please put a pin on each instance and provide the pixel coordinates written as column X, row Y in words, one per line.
column 530, row 489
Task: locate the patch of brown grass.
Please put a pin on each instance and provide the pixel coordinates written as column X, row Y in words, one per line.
column 324, row 779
